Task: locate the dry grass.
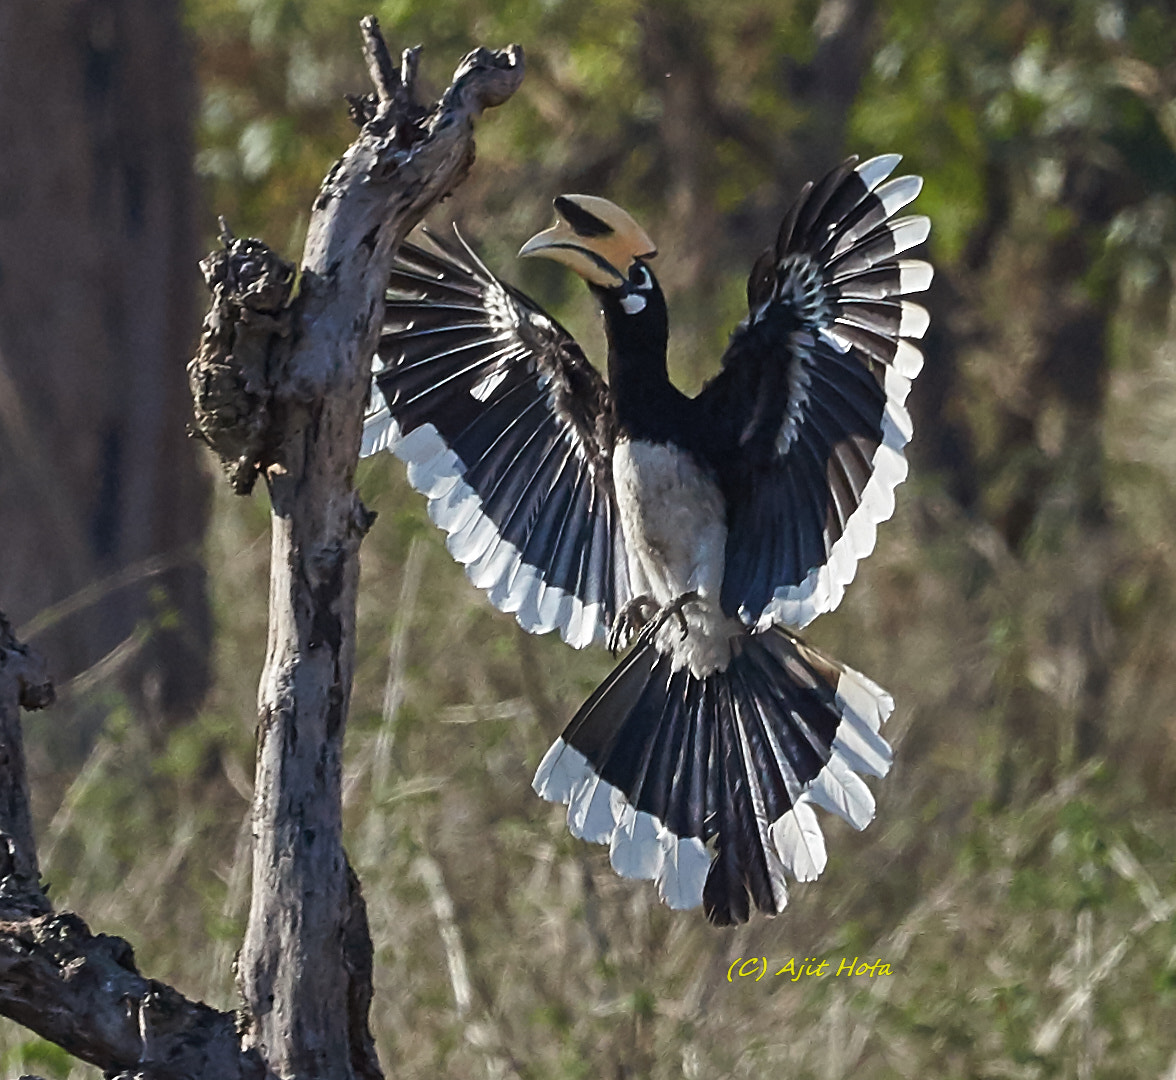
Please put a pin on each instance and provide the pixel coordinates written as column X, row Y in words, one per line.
column 1021, row 895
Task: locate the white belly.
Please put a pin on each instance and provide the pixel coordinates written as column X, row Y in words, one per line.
column 673, row 518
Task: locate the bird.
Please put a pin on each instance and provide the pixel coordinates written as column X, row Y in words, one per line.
column 695, row 535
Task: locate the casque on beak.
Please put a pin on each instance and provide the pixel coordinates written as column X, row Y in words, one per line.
column 594, row 237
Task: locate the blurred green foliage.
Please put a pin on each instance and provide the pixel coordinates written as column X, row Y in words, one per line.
column 1021, row 877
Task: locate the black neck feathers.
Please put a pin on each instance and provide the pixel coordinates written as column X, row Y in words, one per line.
column 648, row 405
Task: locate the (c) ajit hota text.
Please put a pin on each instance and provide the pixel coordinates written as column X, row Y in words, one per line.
column 756, row 967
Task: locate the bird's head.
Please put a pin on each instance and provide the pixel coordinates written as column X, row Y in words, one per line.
column 603, row 244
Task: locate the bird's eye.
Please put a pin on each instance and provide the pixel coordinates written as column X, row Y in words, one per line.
column 640, row 277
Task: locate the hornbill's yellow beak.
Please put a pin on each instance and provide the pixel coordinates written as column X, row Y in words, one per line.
column 595, row 238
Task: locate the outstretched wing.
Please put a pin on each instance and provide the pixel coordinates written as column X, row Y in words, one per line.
column 809, row 408
column 509, row 431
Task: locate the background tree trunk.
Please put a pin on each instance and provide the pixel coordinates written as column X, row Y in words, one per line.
column 97, row 317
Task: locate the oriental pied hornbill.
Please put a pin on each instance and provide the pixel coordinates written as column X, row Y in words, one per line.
column 702, row 526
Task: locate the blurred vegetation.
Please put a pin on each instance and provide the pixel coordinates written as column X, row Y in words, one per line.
column 1020, row 879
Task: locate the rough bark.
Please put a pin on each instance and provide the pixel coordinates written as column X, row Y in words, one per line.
column 280, row 390
column 246, row 332
column 97, row 314
column 24, row 683
column 77, row 989
column 305, row 966
column 83, row 992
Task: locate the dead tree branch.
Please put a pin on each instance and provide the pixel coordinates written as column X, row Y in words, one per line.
column 304, row 970
column 77, row 989
column 279, row 385
column 83, row 992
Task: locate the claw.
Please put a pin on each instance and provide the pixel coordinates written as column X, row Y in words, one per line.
column 632, row 619
column 672, row 610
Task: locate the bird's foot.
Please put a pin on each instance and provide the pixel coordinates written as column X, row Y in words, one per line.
column 631, row 619
column 672, row 610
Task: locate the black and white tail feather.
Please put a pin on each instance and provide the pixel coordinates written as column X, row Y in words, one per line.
column 707, row 785
column 702, row 779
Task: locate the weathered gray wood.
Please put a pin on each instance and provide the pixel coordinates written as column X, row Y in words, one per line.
column 306, row 964
column 83, row 992
column 24, row 683
column 304, row 968
column 77, row 989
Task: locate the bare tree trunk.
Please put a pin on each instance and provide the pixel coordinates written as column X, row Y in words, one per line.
column 97, row 316
column 280, row 389
column 308, row 997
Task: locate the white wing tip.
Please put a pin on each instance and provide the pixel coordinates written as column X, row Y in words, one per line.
column 876, row 169
column 380, row 432
column 914, row 320
column 899, row 192
column 908, row 359
column 914, row 229
column 639, row 845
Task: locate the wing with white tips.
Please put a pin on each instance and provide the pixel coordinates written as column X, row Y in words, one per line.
column 508, row 430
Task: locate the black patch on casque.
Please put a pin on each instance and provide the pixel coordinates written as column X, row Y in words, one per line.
column 583, row 222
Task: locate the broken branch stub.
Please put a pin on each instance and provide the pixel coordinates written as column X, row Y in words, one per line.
column 246, row 334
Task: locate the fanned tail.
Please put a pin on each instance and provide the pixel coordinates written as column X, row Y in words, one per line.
column 707, row 785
